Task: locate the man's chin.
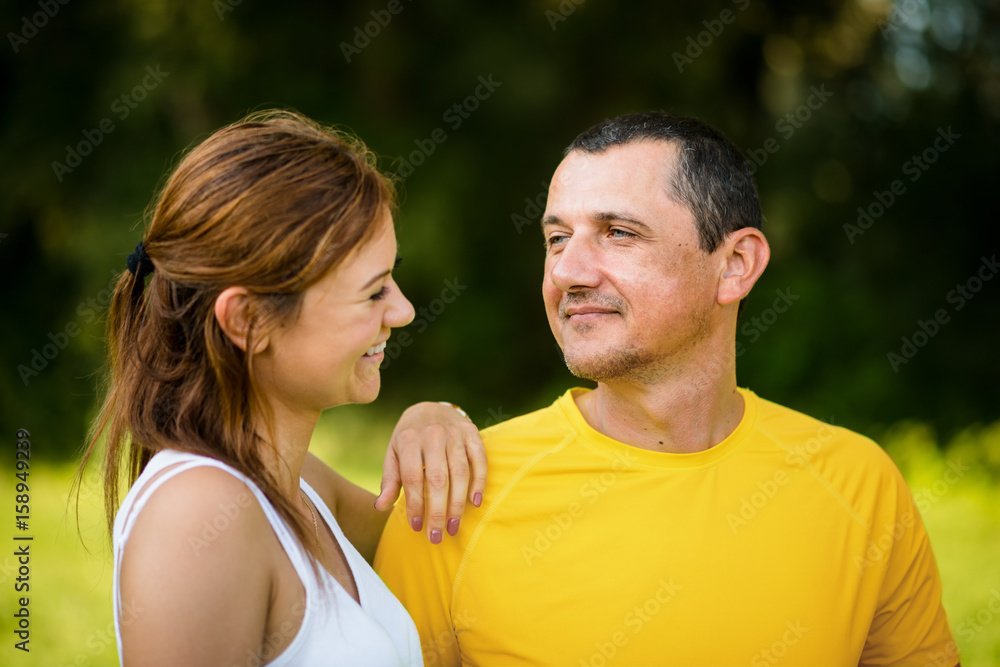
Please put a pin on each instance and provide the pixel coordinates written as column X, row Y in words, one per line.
column 604, row 365
column 586, row 367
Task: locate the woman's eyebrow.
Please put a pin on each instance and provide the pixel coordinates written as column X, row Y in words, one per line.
column 376, row 279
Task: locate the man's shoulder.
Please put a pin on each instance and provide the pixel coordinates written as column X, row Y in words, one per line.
column 512, row 443
column 808, row 439
column 531, row 429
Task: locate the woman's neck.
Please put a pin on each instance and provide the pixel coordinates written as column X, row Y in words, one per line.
column 290, row 432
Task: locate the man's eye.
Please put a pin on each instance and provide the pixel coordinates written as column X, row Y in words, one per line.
column 554, row 240
column 379, row 295
column 622, row 234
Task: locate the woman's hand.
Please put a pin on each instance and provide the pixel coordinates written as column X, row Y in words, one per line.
column 436, row 455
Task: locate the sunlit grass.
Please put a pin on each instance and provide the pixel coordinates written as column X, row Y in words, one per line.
column 71, row 588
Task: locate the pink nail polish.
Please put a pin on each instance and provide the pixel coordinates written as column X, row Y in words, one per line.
column 436, row 536
column 453, row 525
column 477, row 499
column 417, row 523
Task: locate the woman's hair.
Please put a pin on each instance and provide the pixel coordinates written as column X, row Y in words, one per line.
column 270, row 203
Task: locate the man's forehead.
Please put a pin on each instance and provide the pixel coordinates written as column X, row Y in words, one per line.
column 639, row 171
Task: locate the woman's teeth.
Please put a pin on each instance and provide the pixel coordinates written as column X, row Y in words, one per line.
column 372, row 351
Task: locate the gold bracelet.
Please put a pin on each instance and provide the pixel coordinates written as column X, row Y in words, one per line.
column 460, row 410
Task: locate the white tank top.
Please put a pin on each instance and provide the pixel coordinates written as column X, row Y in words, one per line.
column 335, row 630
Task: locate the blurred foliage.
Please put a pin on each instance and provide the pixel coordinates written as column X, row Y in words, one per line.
column 894, row 76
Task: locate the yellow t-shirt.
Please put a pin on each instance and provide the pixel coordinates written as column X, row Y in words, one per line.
column 791, row 542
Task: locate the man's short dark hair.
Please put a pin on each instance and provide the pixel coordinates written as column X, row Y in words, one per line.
column 711, row 177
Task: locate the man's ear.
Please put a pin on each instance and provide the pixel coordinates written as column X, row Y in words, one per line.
column 232, row 311
column 746, row 253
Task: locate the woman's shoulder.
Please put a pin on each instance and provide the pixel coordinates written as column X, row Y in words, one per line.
column 199, row 535
column 200, row 547
column 198, row 506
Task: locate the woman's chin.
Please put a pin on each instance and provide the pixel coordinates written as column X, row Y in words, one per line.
column 368, row 392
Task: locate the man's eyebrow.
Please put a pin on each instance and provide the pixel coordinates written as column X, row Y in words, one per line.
column 612, row 216
column 604, row 216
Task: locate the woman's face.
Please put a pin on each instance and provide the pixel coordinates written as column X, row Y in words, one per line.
column 330, row 354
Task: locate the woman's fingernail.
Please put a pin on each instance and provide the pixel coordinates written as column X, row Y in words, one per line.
column 417, row 523
column 453, row 525
column 436, row 536
column 477, row 499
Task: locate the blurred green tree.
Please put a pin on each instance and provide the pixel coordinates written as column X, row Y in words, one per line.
column 833, row 103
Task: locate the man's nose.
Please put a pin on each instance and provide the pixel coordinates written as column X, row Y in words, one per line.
column 577, row 265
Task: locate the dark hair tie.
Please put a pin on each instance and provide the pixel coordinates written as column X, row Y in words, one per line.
column 139, row 264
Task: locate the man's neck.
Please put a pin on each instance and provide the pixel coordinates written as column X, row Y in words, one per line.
column 688, row 412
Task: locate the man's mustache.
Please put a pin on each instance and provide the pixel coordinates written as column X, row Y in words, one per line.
column 590, row 300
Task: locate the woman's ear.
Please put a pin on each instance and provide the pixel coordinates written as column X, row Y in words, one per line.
column 746, row 254
column 232, row 311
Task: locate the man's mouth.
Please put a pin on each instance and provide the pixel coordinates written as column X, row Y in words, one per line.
column 579, row 311
column 375, row 349
column 580, row 308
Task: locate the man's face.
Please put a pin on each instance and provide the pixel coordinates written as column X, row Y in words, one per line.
column 628, row 292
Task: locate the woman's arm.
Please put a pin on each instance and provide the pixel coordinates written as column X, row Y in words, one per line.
column 350, row 504
column 432, row 446
column 195, row 578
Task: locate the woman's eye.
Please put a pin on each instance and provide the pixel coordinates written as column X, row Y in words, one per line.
column 379, row 295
